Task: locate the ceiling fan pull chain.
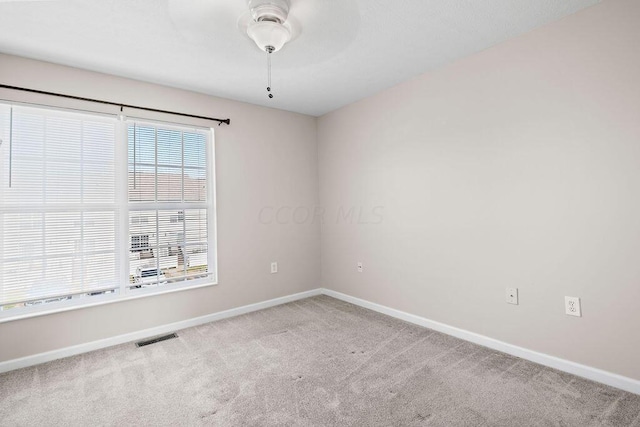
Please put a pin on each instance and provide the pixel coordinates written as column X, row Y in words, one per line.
column 269, row 50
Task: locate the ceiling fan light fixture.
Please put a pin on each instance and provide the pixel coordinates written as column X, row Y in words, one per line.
column 269, row 34
column 269, row 10
column 266, row 24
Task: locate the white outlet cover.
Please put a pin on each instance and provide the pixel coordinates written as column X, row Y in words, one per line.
column 572, row 306
column 274, row 267
column 359, row 267
column 512, row 296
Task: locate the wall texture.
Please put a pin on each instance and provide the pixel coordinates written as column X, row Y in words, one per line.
column 266, row 158
column 519, row 167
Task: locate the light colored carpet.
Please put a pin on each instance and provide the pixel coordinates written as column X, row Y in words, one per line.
column 318, row 361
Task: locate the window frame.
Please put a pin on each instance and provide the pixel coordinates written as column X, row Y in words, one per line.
column 159, row 205
column 122, row 238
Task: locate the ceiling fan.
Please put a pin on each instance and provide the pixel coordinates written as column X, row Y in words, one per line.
column 268, row 23
column 307, row 31
column 239, row 29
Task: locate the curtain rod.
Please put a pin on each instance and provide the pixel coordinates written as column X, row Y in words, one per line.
column 79, row 98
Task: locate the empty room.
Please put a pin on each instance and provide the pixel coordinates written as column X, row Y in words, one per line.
column 320, row 213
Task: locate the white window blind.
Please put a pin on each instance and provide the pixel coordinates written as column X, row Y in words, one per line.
column 168, row 205
column 57, row 206
column 69, row 236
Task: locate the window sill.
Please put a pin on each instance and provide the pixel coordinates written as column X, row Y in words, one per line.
column 45, row 311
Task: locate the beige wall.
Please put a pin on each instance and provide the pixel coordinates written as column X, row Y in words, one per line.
column 518, row 166
column 265, row 158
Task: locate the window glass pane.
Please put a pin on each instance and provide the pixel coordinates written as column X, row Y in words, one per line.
column 142, row 242
column 196, row 225
column 63, row 275
column 195, row 185
column 99, row 272
column 169, row 184
column 62, row 233
column 22, row 235
column 195, row 150
column 169, row 147
column 27, row 159
column 98, row 157
column 29, row 134
column 27, row 178
column 197, row 259
column 142, row 144
column 97, row 187
column 98, row 231
column 22, row 280
column 142, row 229
column 142, row 183
column 171, row 262
column 62, row 182
column 142, row 161
column 63, row 139
column 170, row 228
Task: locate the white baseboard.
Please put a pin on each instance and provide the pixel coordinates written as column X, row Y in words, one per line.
column 604, row 377
column 36, row 359
column 594, row 374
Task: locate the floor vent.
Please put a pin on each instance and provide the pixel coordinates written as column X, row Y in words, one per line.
column 156, row 339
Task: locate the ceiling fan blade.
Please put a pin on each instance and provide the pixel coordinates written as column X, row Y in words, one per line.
column 322, row 33
column 198, row 19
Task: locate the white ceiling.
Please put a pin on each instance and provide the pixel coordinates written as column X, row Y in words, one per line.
column 346, row 50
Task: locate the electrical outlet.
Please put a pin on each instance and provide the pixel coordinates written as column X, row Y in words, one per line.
column 572, row 306
column 359, row 266
column 274, row 267
column 512, row 296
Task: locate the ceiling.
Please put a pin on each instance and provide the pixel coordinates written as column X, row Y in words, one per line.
column 346, row 50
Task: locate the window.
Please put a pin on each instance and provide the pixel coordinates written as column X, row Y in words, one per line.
column 139, row 243
column 177, row 218
column 168, row 186
column 63, row 218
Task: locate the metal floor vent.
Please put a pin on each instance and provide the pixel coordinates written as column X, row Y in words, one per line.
column 156, row 339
